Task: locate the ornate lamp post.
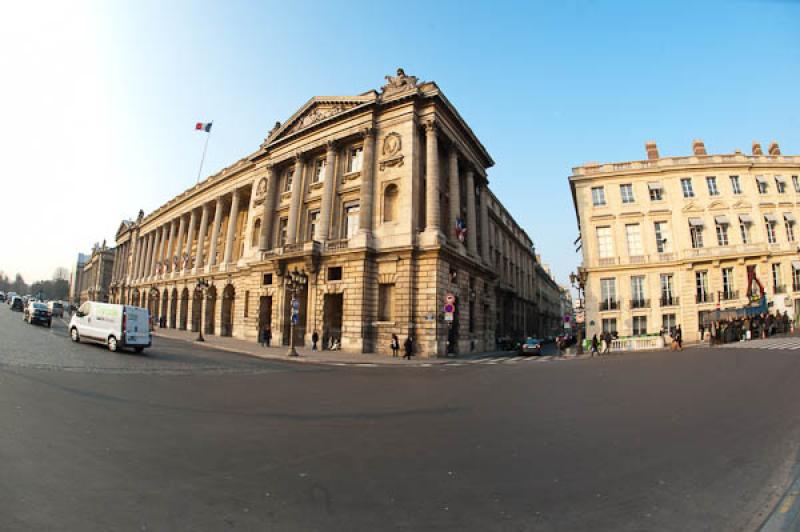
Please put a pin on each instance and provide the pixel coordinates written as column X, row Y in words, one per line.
column 295, row 282
column 202, row 286
column 578, row 281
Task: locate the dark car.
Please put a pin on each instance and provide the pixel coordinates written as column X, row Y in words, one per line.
column 17, row 305
column 38, row 313
column 531, row 346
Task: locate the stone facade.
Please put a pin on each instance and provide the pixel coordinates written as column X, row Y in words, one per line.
column 76, row 279
column 381, row 200
column 97, row 273
column 669, row 240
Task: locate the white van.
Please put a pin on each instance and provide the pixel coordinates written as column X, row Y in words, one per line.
column 117, row 326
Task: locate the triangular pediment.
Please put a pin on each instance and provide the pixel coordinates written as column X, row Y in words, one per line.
column 317, row 110
column 742, row 204
column 123, row 227
column 717, row 205
column 692, row 207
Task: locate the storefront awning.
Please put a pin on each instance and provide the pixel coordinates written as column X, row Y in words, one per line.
column 770, row 218
column 789, row 217
column 745, row 219
column 721, row 220
column 654, row 186
column 696, row 222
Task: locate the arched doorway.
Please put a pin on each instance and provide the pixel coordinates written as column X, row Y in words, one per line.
column 226, row 319
column 211, row 307
column 197, row 301
column 184, row 309
column 173, row 309
column 152, row 303
column 164, row 303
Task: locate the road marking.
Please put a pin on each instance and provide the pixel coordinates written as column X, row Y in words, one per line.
column 788, row 502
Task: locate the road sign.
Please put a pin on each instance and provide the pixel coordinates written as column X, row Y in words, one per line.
column 448, row 316
column 450, row 298
column 449, row 308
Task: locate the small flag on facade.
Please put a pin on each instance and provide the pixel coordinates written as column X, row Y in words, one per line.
column 201, row 126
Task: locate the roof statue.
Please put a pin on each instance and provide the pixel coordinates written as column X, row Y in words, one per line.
column 399, row 83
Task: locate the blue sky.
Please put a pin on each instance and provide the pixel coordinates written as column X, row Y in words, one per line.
column 100, row 98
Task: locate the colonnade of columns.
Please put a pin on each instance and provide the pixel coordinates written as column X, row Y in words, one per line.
column 167, row 249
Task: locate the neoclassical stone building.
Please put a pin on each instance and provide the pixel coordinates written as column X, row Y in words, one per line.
column 670, row 240
column 95, row 278
column 380, row 199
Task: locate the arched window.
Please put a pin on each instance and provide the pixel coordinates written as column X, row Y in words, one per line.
column 390, row 203
column 256, row 233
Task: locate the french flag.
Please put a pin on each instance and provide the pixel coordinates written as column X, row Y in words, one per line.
column 200, row 126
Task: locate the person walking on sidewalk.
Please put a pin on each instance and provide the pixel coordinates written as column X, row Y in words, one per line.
column 314, row 340
column 593, row 352
column 395, row 345
column 409, row 348
column 266, row 336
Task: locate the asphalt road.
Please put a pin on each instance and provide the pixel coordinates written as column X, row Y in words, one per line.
column 187, row 438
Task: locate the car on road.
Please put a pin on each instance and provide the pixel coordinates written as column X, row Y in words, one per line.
column 116, row 326
column 37, row 312
column 56, row 309
column 531, row 346
column 17, row 304
column 10, row 297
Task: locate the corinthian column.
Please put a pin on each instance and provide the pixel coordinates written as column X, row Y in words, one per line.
column 433, row 231
column 268, row 213
column 201, row 238
column 472, row 227
column 189, row 237
column 485, row 224
column 170, row 247
column 455, row 194
column 232, row 219
column 179, row 247
column 212, row 251
column 323, row 227
column 148, row 261
column 367, row 183
column 294, row 206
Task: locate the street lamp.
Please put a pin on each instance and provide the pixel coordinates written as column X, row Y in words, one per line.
column 202, row 285
column 578, row 281
column 295, row 282
column 153, row 294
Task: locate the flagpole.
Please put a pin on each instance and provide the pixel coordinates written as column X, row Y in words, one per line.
column 203, row 158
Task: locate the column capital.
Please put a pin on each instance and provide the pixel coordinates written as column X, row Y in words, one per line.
column 331, row 146
column 430, row 125
column 368, row 131
column 299, row 156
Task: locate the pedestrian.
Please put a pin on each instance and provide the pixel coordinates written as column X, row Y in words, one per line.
column 679, row 338
column 268, row 335
column 314, row 340
column 395, row 345
column 262, row 337
column 409, row 348
column 606, row 342
column 593, row 352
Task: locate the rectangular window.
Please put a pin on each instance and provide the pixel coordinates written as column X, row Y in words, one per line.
column 722, row 234
column 770, row 226
column 319, row 171
column 605, row 244
column 313, row 220
column 626, row 192
column 267, row 279
column 351, row 213
column 780, row 184
column 282, row 231
column 796, row 183
column 662, row 237
column 667, row 297
column 701, row 286
column 287, row 180
column 634, row 238
column 334, row 273
column 777, row 285
column 668, row 323
column 686, row 186
column 608, row 294
column 727, row 283
column 656, row 191
column 711, row 181
column 637, row 292
column 386, row 302
column 789, row 231
column 696, row 232
column 744, row 230
column 796, row 276
column 736, row 185
column 610, row 326
column 598, row 196
column 355, row 160
column 762, row 184
column 639, row 325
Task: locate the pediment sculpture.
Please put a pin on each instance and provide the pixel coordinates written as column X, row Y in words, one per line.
column 318, row 113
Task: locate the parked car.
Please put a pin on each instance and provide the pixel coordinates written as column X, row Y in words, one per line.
column 531, row 346
column 116, row 326
column 56, row 309
column 37, row 312
column 17, row 304
column 10, row 297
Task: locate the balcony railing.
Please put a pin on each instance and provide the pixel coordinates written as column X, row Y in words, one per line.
column 728, row 295
column 669, row 301
column 703, row 297
column 640, row 303
column 779, row 289
column 609, row 305
column 332, row 245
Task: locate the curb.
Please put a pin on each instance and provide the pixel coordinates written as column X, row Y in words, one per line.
column 786, row 514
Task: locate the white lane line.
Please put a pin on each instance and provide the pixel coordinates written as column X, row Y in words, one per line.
column 515, row 360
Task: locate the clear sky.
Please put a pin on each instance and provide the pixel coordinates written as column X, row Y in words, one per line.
column 98, row 100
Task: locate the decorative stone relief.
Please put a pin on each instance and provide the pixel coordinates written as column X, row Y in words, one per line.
column 317, row 113
column 261, row 192
column 391, row 151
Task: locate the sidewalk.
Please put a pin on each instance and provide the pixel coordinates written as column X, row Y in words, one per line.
column 306, row 355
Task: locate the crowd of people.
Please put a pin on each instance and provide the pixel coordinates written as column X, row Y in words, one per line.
column 737, row 329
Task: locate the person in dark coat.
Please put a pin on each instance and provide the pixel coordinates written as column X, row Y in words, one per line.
column 395, row 345
column 314, row 340
column 409, row 348
column 595, row 343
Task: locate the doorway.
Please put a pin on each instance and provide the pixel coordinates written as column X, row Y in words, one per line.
column 333, row 308
column 226, row 317
column 264, row 314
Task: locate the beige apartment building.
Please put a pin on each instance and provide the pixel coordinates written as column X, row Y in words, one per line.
column 670, row 240
column 379, row 202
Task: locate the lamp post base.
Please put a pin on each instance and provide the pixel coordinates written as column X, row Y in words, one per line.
column 200, row 338
column 292, row 352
